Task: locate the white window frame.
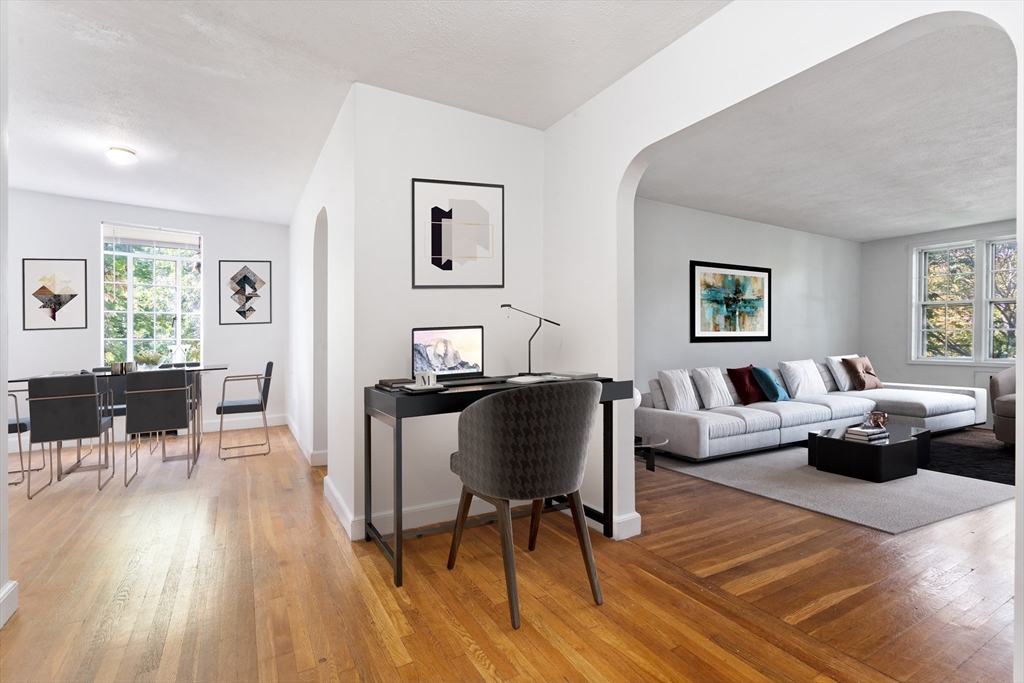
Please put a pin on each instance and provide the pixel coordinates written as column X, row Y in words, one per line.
column 981, row 338
column 129, row 323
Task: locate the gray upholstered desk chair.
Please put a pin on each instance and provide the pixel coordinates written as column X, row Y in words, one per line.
column 19, row 425
column 527, row 444
column 245, row 405
column 69, row 408
column 156, row 402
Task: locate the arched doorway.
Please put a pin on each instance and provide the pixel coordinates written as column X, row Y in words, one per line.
column 321, row 302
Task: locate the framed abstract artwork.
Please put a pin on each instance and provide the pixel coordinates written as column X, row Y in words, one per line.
column 245, row 292
column 730, row 302
column 458, row 234
column 55, row 294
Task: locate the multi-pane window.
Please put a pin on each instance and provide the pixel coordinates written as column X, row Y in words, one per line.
column 152, row 295
column 947, row 309
column 965, row 301
column 1001, row 304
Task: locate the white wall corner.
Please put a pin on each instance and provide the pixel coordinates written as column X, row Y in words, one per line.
column 8, row 601
column 317, row 458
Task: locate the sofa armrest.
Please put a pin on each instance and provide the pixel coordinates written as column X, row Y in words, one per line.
column 980, row 395
column 687, row 433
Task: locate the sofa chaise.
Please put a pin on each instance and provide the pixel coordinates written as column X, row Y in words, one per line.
column 711, row 433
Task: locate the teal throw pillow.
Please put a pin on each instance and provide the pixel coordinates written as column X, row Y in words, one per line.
column 769, row 385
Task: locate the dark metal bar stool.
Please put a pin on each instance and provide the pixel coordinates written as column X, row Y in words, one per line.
column 158, row 401
column 69, row 408
column 527, row 444
column 241, row 406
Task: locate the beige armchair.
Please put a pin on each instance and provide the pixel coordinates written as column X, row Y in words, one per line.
column 1002, row 389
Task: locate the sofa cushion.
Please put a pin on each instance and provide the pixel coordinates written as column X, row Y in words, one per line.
column 711, row 387
column 721, row 425
column 771, row 386
column 678, row 388
column 1006, row 406
column 912, row 403
column 657, row 394
column 839, row 372
column 862, row 375
column 795, row 413
column 842, row 406
column 826, row 377
column 754, row 420
column 802, row 378
column 747, row 388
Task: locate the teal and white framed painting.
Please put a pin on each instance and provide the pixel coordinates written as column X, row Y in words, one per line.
column 730, row 302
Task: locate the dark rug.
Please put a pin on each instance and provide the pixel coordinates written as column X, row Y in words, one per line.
column 973, row 453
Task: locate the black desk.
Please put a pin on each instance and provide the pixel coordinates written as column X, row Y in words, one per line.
column 392, row 407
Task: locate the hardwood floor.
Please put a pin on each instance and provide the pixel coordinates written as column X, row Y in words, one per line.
column 243, row 574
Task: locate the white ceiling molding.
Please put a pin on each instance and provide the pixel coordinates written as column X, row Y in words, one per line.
column 228, row 103
column 920, row 138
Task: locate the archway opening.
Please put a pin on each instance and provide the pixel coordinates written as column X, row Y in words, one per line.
column 321, row 304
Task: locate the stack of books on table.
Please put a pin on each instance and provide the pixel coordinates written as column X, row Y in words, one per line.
column 874, row 435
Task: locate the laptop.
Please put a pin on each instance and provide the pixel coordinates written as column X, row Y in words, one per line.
column 456, row 354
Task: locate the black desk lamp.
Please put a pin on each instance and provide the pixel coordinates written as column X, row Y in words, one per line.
column 529, row 344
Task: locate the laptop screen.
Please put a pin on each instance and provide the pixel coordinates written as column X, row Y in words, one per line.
column 449, row 351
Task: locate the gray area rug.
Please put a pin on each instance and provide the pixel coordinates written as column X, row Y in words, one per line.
column 894, row 506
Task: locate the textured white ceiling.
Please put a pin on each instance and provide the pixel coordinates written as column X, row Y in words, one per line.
column 920, row 138
column 228, row 103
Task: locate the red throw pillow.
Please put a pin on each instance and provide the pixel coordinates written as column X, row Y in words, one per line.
column 747, row 387
column 862, row 374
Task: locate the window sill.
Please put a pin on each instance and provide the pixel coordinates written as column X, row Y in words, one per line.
column 965, row 363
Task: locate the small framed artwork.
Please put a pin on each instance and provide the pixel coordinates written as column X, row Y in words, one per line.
column 245, row 292
column 458, row 234
column 730, row 302
column 55, row 294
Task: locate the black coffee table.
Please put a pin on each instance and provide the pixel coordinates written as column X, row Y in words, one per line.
column 906, row 450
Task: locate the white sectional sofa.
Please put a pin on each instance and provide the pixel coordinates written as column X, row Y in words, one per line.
column 703, row 434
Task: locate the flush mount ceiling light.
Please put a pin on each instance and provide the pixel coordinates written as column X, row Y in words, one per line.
column 122, row 155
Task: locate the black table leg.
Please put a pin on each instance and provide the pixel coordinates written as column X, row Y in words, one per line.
column 609, row 479
column 398, row 501
column 367, row 489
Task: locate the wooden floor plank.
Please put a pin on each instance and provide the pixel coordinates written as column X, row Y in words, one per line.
column 243, row 573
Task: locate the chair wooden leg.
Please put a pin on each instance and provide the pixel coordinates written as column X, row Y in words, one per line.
column 460, row 525
column 583, row 534
column 508, row 555
column 535, row 522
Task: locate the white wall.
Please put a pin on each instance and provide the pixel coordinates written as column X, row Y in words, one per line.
column 53, row 226
column 399, row 138
column 331, row 186
column 815, row 289
column 885, row 314
column 8, row 588
column 380, row 142
column 594, row 158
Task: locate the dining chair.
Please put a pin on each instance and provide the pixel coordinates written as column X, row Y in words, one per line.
column 69, row 408
column 156, row 402
column 243, row 406
column 19, row 425
column 527, row 444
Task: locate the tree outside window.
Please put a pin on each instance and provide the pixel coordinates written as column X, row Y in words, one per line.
column 966, row 301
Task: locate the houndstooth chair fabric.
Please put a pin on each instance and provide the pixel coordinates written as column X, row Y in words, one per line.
column 528, row 443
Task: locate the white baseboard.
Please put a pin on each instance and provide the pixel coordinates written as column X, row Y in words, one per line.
column 8, row 601
column 341, row 511
column 626, row 526
column 317, row 458
column 250, row 421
